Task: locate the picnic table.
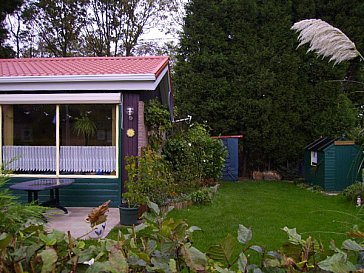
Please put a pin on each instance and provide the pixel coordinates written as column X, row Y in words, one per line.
column 51, row 184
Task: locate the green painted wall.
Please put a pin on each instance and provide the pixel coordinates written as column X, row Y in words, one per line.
column 83, row 193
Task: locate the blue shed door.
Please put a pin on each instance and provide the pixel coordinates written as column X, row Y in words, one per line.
column 231, row 167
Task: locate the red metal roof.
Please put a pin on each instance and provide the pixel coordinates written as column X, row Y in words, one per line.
column 82, row 66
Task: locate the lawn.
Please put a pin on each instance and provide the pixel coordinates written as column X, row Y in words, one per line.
column 267, row 207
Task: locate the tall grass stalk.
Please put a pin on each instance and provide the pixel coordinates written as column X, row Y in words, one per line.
column 326, row 40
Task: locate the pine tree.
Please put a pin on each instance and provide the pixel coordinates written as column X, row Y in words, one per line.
column 238, row 69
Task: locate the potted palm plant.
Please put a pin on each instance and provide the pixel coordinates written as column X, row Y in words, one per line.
column 84, row 126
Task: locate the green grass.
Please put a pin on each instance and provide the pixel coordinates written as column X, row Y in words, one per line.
column 267, row 207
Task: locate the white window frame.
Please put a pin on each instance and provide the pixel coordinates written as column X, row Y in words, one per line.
column 114, row 102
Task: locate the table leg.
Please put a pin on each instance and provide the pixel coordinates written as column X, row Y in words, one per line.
column 51, row 194
column 35, row 198
column 30, row 196
column 57, row 196
column 57, row 205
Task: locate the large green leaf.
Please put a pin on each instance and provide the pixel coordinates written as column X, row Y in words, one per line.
column 222, row 252
column 244, row 234
column 256, row 248
column 49, row 257
column 223, row 270
column 32, row 249
column 242, row 262
column 47, row 240
column 352, row 245
column 86, row 254
column 118, row 261
column 293, row 236
column 5, row 239
column 154, row 207
column 99, row 267
column 195, row 259
column 172, row 266
column 140, row 227
column 192, row 229
column 338, row 263
column 160, row 263
column 168, row 248
column 135, row 260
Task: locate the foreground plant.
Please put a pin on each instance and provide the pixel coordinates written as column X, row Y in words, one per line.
column 13, row 215
column 326, row 40
column 298, row 255
column 162, row 244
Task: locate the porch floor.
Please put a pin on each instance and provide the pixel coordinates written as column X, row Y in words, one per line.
column 75, row 221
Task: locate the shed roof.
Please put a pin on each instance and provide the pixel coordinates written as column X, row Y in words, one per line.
column 320, row 144
column 82, row 66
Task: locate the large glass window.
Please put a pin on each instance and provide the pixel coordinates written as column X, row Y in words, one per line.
column 87, row 139
column 59, row 140
column 29, row 138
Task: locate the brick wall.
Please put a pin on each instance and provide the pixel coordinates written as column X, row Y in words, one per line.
column 142, row 130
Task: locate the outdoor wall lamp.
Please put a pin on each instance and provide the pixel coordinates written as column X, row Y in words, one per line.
column 130, row 112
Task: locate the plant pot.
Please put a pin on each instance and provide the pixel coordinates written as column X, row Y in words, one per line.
column 128, row 216
column 98, row 231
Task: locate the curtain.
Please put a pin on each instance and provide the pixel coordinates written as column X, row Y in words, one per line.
column 72, row 158
column 88, row 158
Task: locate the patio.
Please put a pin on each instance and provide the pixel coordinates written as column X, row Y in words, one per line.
column 75, row 221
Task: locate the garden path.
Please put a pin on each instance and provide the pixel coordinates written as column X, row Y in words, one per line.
column 75, row 221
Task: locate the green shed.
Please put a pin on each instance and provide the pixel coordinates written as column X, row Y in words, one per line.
column 332, row 164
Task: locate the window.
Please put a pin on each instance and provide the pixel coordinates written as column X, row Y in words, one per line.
column 313, row 158
column 60, row 140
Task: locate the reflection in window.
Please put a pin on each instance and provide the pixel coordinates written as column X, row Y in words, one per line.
column 87, row 139
column 29, row 138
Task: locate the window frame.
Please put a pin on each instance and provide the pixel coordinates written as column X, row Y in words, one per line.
column 58, row 144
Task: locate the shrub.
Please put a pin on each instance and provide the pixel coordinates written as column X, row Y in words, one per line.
column 195, row 157
column 202, row 196
column 353, row 191
column 157, row 119
column 149, row 177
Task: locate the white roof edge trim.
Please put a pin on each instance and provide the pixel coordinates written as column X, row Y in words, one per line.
column 161, row 75
column 79, row 78
column 61, row 98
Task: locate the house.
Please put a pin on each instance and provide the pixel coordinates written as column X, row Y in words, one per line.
column 77, row 118
column 332, row 164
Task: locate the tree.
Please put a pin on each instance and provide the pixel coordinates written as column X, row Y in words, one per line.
column 103, row 26
column 59, row 24
column 6, row 7
column 238, row 70
column 114, row 27
column 45, row 28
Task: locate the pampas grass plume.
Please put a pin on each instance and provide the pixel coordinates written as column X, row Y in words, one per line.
column 326, row 40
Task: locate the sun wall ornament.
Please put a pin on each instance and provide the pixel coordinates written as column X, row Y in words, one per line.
column 130, row 132
column 326, row 40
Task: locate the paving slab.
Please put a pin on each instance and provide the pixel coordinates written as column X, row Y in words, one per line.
column 75, row 221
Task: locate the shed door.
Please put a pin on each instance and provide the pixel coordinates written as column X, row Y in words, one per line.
column 230, row 171
column 346, row 166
